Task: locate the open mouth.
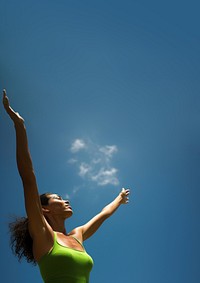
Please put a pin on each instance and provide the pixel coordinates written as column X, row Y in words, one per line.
column 67, row 206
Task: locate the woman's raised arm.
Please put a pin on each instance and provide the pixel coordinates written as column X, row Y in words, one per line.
column 26, row 171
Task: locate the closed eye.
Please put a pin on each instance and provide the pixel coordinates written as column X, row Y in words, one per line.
column 57, row 197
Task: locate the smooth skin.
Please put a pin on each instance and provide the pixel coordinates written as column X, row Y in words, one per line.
column 58, row 210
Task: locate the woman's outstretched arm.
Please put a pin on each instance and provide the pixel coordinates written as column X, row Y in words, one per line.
column 92, row 226
column 26, row 171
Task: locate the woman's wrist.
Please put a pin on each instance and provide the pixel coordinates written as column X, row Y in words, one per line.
column 16, row 118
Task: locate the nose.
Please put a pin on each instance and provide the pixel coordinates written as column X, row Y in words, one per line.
column 66, row 201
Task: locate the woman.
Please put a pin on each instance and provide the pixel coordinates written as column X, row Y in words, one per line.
column 42, row 237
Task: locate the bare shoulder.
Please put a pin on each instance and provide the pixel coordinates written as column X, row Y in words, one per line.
column 77, row 233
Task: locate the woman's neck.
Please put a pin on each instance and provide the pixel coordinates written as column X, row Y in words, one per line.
column 58, row 225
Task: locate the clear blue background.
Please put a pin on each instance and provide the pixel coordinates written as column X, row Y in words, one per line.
column 123, row 73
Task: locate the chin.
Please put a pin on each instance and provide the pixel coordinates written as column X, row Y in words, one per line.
column 69, row 213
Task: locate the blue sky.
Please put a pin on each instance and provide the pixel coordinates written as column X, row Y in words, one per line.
column 109, row 91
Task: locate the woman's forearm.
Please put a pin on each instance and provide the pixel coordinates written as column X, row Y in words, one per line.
column 122, row 198
column 112, row 207
column 24, row 162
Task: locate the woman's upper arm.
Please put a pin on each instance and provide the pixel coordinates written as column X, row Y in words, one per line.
column 33, row 207
column 92, row 225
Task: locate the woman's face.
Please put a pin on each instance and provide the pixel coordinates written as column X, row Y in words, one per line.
column 59, row 206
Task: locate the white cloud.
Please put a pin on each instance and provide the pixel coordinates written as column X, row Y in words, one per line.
column 96, row 164
column 83, row 169
column 77, row 145
column 106, row 176
column 108, row 150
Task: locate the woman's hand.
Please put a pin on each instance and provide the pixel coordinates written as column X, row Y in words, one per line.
column 13, row 115
column 124, row 195
column 5, row 101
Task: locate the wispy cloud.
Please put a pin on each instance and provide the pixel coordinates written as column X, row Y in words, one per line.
column 77, row 145
column 96, row 163
column 108, row 150
column 84, row 169
column 106, row 176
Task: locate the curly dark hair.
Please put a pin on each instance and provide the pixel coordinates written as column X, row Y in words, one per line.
column 20, row 240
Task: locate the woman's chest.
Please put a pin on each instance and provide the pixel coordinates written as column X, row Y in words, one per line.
column 70, row 242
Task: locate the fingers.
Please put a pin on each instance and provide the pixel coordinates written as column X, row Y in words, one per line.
column 124, row 194
column 125, row 191
column 5, row 100
column 4, row 95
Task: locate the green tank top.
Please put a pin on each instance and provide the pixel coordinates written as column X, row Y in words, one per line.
column 65, row 265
